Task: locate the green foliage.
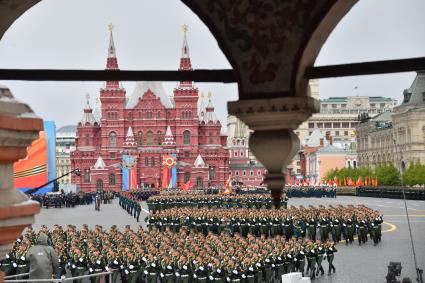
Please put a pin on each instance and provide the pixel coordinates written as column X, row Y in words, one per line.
column 386, row 174
column 414, row 175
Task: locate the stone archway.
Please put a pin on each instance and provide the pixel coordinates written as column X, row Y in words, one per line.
column 269, row 43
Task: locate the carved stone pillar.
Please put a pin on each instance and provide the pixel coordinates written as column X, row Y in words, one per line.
column 18, row 128
column 273, row 141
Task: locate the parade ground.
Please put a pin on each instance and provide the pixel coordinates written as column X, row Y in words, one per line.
column 354, row 263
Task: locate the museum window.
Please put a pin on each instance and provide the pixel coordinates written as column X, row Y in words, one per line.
column 345, row 125
column 87, row 140
column 211, row 138
column 311, row 125
column 241, row 153
column 149, row 115
column 139, row 138
column 112, row 139
column 186, row 177
column 149, row 138
column 86, row 175
column 345, row 133
column 199, row 182
column 244, row 173
column 112, row 179
column 235, row 153
column 259, row 172
column 112, row 155
column 186, row 154
column 237, row 173
column 99, row 184
column 251, row 173
column 130, row 116
column 153, row 161
column 159, row 137
column 337, row 125
column 140, row 115
column 186, row 137
column 320, row 125
column 158, row 115
column 146, row 161
column 328, row 125
column 337, row 133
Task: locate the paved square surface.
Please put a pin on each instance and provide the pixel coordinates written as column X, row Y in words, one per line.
column 367, row 263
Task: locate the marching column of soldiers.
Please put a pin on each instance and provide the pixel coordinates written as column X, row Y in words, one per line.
column 179, row 200
column 316, row 192
column 186, row 256
column 333, row 222
column 70, row 199
column 130, row 204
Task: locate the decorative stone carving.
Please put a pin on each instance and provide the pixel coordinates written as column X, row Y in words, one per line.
column 18, row 128
column 265, row 40
column 273, row 141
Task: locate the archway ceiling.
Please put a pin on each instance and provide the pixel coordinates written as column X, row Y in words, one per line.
column 265, row 40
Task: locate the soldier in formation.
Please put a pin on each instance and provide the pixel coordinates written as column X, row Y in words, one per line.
column 186, row 256
column 322, row 223
column 312, row 191
column 70, row 199
column 180, row 200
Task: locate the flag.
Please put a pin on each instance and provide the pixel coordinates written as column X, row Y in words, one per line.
column 133, row 178
column 186, row 186
column 376, row 181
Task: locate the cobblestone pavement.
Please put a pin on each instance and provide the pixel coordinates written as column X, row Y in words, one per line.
column 367, row 263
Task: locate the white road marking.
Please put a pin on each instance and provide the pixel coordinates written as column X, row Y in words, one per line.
column 146, row 211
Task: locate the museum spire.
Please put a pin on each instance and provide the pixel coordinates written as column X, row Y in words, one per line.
column 112, row 61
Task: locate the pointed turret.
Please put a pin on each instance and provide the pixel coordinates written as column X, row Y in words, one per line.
column 97, row 110
column 88, row 118
column 209, row 112
column 201, row 113
column 112, row 61
column 199, row 162
column 169, row 138
column 185, row 64
column 129, row 138
column 100, row 164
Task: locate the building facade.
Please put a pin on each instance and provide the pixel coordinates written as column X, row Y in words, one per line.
column 150, row 127
column 65, row 144
column 243, row 166
column 396, row 138
column 338, row 117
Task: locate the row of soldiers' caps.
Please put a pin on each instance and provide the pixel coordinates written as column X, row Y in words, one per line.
column 150, row 255
column 299, row 222
column 165, row 201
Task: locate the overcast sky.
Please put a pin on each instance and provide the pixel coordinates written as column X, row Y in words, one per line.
column 73, row 34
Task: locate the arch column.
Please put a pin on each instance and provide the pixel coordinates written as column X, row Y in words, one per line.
column 273, row 141
column 16, row 134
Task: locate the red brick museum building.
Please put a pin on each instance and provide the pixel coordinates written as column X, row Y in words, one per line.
column 149, row 126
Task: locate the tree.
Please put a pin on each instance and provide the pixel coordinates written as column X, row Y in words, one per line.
column 387, row 175
column 414, row 174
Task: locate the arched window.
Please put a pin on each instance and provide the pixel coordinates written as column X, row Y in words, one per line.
column 159, row 137
column 112, row 179
column 186, row 137
column 186, row 177
column 244, row 172
column 251, row 173
column 241, row 154
column 189, row 114
column 153, row 161
column 355, row 164
column 140, row 114
column 211, row 173
column 139, row 138
column 235, row 153
column 149, row 115
column 87, row 140
column 99, row 185
column 149, row 138
column 199, row 182
column 211, row 141
column 158, row 115
column 237, row 173
column 146, row 161
column 113, row 139
column 86, row 175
